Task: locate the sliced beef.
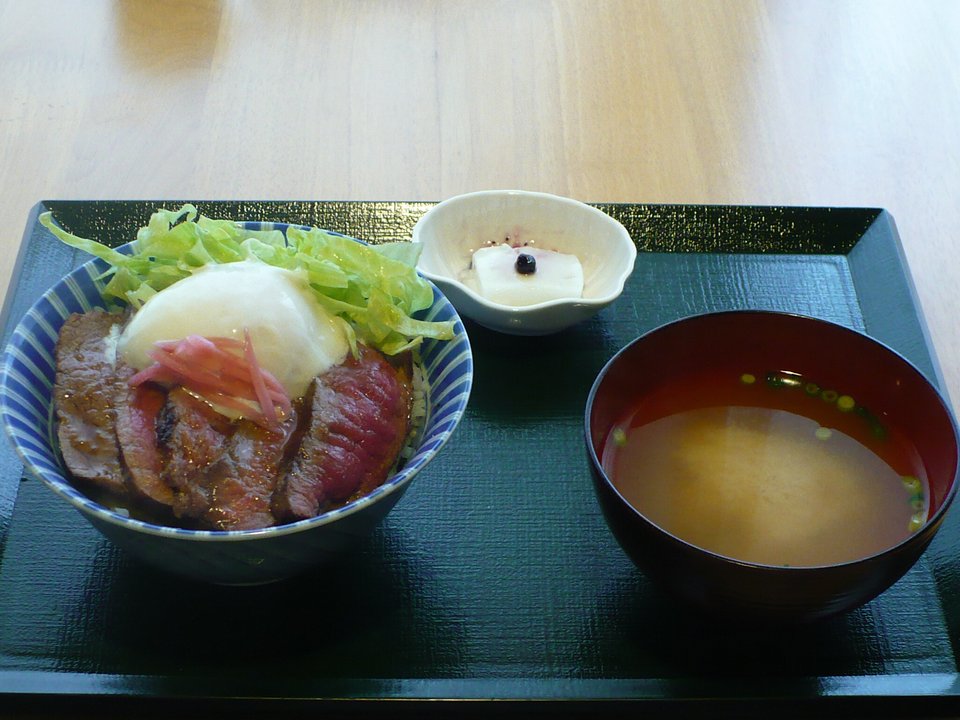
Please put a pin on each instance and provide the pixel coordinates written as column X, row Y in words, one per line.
column 222, row 474
column 359, row 418
column 86, row 391
column 171, row 451
column 137, row 415
column 241, row 485
column 192, row 438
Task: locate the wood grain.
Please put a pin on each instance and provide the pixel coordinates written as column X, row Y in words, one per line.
column 812, row 103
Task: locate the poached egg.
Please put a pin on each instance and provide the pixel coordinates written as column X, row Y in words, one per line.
column 293, row 336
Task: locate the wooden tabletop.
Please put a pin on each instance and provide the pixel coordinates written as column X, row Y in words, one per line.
column 826, row 103
column 799, row 103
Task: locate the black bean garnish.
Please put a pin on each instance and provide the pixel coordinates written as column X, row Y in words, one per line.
column 526, row 264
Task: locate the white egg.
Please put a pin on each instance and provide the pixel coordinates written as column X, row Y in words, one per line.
column 292, row 335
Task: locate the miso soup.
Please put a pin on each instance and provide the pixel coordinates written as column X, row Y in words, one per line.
column 760, row 483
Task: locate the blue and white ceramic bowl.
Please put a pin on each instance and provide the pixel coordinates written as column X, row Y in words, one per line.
column 226, row 557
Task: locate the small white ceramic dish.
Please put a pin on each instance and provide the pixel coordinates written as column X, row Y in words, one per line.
column 453, row 230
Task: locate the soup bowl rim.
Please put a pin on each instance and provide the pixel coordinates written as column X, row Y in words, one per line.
column 922, row 534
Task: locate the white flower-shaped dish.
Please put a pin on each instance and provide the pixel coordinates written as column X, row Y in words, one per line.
column 453, row 230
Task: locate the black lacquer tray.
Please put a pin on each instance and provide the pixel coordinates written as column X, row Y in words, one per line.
column 495, row 578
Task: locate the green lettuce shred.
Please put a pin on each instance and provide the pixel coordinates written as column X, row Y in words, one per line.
column 374, row 289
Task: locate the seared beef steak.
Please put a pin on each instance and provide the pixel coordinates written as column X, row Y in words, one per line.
column 137, row 414
column 171, row 452
column 241, row 485
column 359, row 418
column 199, row 464
column 192, row 438
column 85, row 394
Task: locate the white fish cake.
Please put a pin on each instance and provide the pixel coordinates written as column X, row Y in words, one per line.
column 557, row 275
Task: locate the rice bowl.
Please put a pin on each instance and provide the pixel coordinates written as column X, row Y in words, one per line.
column 228, row 557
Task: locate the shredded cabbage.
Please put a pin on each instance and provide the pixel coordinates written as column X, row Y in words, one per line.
column 375, row 289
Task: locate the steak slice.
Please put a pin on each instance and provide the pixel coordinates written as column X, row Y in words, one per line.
column 192, row 438
column 242, row 483
column 137, row 416
column 359, row 419
column 222, row 474
column 85, row 393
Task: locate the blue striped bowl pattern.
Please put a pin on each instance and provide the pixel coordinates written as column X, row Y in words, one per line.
column 225, row 557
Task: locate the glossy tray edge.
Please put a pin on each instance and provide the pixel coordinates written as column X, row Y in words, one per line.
column 895, row 278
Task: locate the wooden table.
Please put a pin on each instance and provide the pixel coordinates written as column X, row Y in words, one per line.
column 809, row 103
column 820, row 102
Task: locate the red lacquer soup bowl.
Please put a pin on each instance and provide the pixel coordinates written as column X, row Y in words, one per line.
column 797, row 364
